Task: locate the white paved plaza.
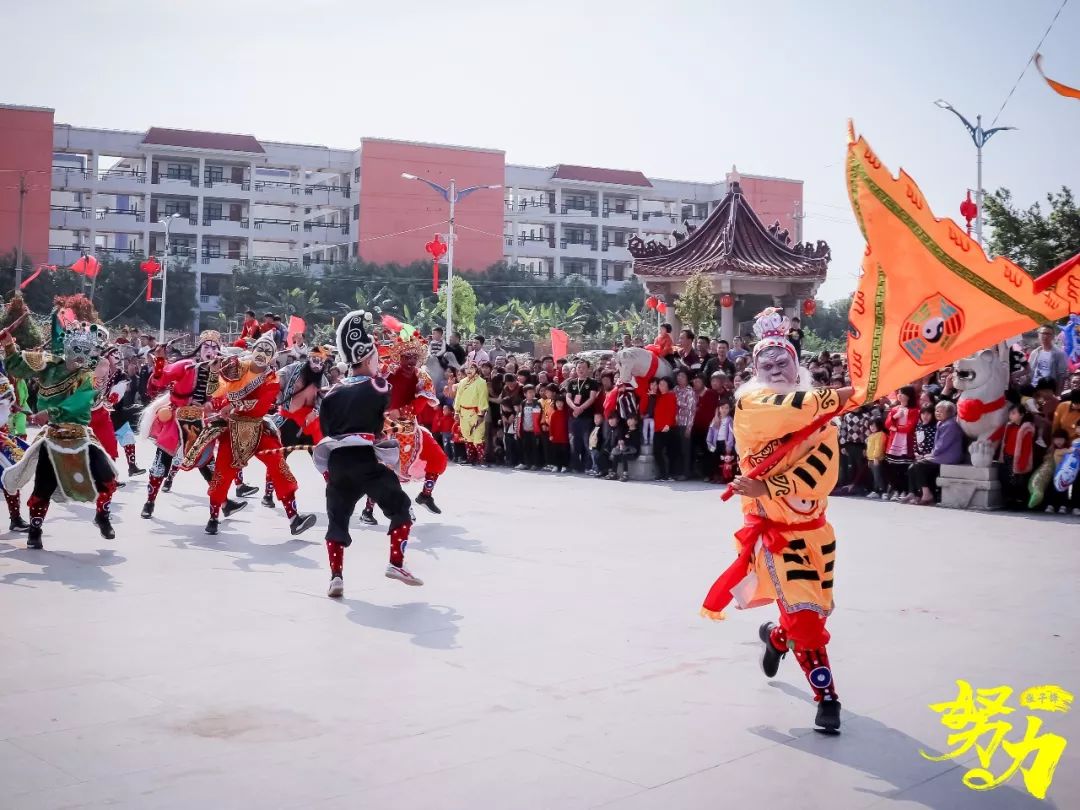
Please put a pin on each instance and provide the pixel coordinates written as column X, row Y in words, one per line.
column 554, row 659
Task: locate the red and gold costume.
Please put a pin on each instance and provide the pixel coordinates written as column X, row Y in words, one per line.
column 240, row 425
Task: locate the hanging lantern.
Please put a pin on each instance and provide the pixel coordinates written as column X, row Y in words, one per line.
column 437, row 248
column 151, row 267
column 969, row 210
column 651, row 302
column 727, row 300
column 661, row 307
column 809, row 307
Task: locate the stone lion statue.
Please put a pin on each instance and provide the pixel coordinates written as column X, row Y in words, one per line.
column 982, row 410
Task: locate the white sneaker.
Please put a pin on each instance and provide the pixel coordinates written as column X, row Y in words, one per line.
column 402, row 574
column 1063, row 510
column 520, row 467
column 1076, row 512
column 872, row 496
column 1050, row 510
column 337, row 588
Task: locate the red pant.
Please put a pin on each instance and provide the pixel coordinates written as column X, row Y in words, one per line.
column 435, row 460
column 276, row 469
column 805, row 628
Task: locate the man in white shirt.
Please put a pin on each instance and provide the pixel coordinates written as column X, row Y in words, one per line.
column 1047, row 362
column 497, row 353
column 478, row 355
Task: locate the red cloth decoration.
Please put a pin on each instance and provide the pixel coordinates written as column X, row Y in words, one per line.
column 35, row 274
column 87, row 266
column 151, row 267
column 560, row 344
column 754, row 526
column 436, row 247
column 296, row 326
column 972, row 410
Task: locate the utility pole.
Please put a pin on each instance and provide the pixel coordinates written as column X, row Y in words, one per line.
column 19, row 243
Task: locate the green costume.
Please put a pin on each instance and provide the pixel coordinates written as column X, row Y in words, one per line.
column 17, row 420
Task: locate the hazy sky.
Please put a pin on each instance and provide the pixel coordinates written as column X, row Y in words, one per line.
column 680, row 90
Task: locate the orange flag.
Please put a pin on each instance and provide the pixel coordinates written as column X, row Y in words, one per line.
column 928, row 294
column 560, row 343
column 296, row 326
column 1057, row 87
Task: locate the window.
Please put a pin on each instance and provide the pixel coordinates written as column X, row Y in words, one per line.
column 620, row 206
column 356, row 174
column 215, row 174
column 178, row 207
column 178, row 171
column 356, row 212
column 619, row 238
column 619, row 273
column 212, row 250
column 355, row 249
column 575, row 236
column 213, row 211
column 575, row 201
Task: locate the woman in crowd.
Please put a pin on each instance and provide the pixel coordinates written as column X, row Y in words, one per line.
column 900, row 423
column 948, row 448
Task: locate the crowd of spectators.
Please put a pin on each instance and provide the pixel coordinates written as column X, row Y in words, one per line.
column 572, row 417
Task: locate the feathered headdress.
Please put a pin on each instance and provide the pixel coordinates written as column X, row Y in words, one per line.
column 406, row 340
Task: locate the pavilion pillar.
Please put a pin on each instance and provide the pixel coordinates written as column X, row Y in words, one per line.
column 727, row 314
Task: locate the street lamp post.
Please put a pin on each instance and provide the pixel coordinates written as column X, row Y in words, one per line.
column 452, row 196
column 979, row 137
column 167, row 222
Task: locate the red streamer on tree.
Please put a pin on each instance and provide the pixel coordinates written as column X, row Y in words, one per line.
column 35, row 274
column 437, row 248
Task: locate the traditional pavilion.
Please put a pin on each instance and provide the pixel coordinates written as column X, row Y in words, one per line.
column 741, row 257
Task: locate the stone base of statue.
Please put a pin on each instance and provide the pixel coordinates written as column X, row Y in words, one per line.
column 966, row 487
column 643, row 468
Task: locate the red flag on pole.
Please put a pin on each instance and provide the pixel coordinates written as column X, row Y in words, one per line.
column 87, row 266
column 560, row 342
column 296, row 326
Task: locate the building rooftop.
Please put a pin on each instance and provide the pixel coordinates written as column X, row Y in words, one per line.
column 590, row 174
column 194, row 139
column 732, row 240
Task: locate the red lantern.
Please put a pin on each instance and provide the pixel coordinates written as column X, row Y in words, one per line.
column 151, row 267
column 968, row 210
column 727, row 300
column 661, row 308
column 436, row 247
column 651, row 302
column 809, row 307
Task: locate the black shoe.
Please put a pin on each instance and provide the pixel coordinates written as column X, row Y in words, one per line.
column 368, row 517
column 231, row 507
column 246, row 490
column 211, row 526
column 133, row 470
column 828, row 717
column 267, row 501
column 17, row 524
column 428, row 502
column 101, row 520
column 147, row 510
column 301, row 523
column 167, row 485
column 770, row 656
column 33, row 537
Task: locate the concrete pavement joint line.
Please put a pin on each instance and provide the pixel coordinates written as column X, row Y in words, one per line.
column 580, row 767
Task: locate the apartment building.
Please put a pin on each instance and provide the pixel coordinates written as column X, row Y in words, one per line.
column 223, row 200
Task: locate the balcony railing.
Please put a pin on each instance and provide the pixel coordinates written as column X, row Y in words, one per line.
column 345, row 190
column 259, row 185
column 609, row 211
column 134, row 174
column 192, row 218
column 241, row 221
column 523, row 205
column 210, row 182
column 309, row 226
column 291, row 260
column 293, row 225
column 208, row 256
column 580, row 210
column 70, row 170
column 659, row 215
column 72, row 208
column 139, row 216
column 580, row 242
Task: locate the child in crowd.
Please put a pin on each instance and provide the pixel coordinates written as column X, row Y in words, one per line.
column 559, row 437
column 1055, row 499
column 665, row 345
column 1016, row 456
column 875, row 456
column 649, row 424
column 443, row 428
column 721, row 437
column 625, row 448
column 596, row 446
column 529, row 430
column 511, row 416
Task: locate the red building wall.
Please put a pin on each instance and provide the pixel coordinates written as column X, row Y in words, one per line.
column 26, row 145
column 390, row 204
column 774, row 199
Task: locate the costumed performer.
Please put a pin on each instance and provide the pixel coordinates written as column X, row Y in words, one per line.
column 298, row 402
column 412, row 396
column 101, row 410
column 471, row 407
column 351, row 418
column 65, row 461
column 174, row 420
column 12, row 449
column 126, row 408
column 242, row 429
column 786, row 547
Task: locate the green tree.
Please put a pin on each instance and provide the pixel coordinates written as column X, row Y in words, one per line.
column 464, row 305
column 301, row 302
column 1035, row 240
column 697, row 304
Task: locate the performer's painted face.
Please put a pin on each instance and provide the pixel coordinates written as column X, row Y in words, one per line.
column 775, row 366
column 209, row 351
column 408, row 361
column 316, row 364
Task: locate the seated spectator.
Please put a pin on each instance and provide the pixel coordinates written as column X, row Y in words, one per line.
column 1017, row 457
